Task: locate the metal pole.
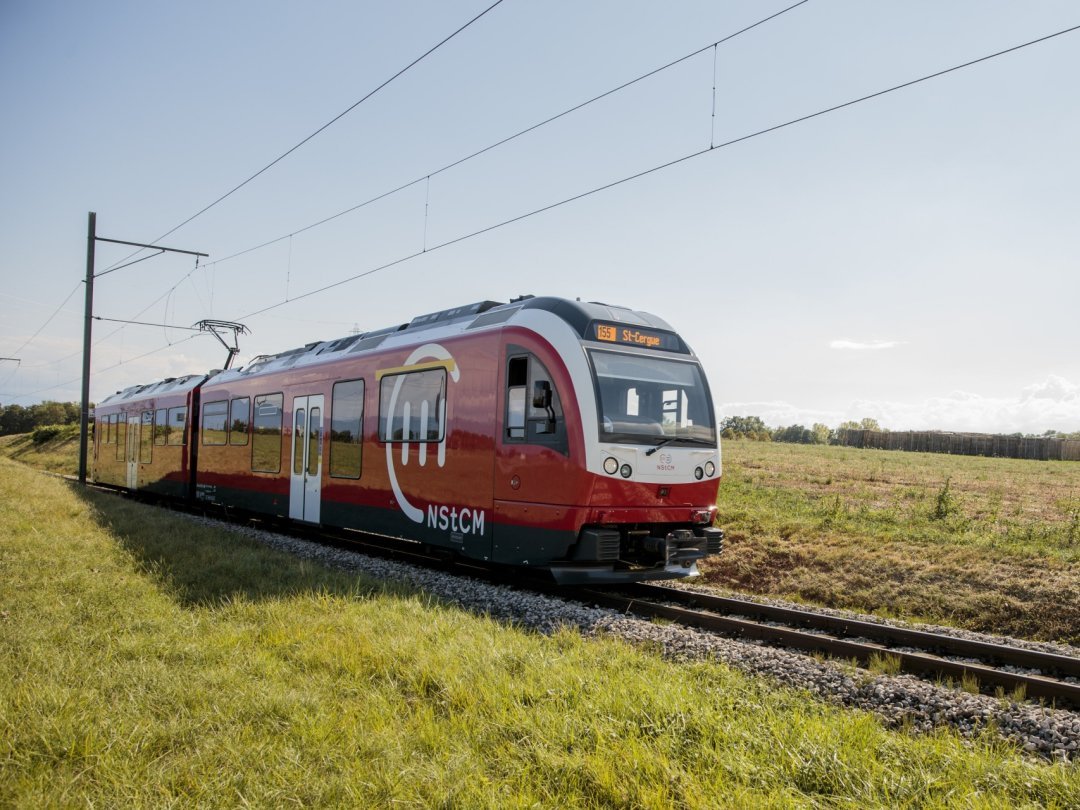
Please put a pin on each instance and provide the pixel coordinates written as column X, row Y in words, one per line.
column 84, row 418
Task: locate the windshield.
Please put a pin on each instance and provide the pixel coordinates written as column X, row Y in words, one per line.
column 651, row 400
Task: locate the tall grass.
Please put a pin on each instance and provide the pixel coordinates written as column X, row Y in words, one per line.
column 149, row 661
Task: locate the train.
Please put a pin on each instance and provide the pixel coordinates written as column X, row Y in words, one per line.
column 572, row 438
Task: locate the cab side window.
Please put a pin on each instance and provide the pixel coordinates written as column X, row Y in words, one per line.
column 534, row 412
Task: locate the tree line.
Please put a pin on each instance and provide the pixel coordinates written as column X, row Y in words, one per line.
column 17, row 419
column 754, row 429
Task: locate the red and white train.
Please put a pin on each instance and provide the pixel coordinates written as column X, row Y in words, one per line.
column 575, row 437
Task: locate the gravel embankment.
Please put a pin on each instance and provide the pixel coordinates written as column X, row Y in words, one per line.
column 923, row 705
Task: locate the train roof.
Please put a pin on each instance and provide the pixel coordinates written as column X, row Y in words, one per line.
column 170, row 385
column 578, row 314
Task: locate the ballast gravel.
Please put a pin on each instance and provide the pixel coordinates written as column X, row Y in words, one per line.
column 899, row 700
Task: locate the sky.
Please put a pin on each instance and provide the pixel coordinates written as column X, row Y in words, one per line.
column 912, row 258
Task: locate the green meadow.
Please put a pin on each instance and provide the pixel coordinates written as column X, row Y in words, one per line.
column 148, row 661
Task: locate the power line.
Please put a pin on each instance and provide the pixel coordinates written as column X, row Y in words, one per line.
column 120, row 329
column 144, row 323
column 107, row 368
column 661, row 167
column 428, row 175
column 324, row 127
column 48, row 320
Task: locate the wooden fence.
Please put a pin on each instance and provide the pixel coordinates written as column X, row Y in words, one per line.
column 963, row 444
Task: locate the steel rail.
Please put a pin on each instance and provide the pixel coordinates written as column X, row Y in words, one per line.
column 713, row 613
column 890, row 635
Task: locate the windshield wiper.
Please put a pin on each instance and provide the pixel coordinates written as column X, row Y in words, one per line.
column 670, row 439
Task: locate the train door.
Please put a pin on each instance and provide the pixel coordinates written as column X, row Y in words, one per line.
column 534, row 477
column 305, row 485
column 132, row 451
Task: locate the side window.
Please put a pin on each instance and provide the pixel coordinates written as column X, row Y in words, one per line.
column 299, row 430
column 346, row 429
column 106, row 429
column 266, row 434
column 146, row 437
column 533, row 409
column 121, row 437
column 161, row 427
column 176, row 434
column 517, row 383
column 214, row 422
column 419, row 406
column 238, row 420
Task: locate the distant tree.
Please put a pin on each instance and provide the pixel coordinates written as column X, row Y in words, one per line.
column 821, row 433
column 795, row 434
column 14, row 419
column 17, row 419
column 47, row 413
column 865, row 424
column 749, row 427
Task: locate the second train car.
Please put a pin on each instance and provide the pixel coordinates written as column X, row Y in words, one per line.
column 544, row 433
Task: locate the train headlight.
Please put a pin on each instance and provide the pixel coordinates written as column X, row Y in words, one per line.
column 626, row 471
column 611, row 465
column 699, row 473
column 710, row 469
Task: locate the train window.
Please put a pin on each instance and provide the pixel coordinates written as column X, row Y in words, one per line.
column 161, row 427
column 106, row 430
column 533, row 409
column 266, row 433
column 177, row 426
column 346, row 429
column 299, row 428
column 215, row 428
column 517, row 381
column 146, row 437
column 314, row 455
column 121, row 437
column 652, row 400
column 419, row 406
column 238, row 420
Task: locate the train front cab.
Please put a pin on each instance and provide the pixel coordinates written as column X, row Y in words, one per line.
column 608, row 461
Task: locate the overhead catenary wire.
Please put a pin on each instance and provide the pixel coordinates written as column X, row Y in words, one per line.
column 144, row 323
column 49, row 320
column 323, row 128
column 661, row 167
column 118, row 364
column 426, row 177
column 665, row 166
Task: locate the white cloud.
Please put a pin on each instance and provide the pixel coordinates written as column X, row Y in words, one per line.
column 872, row 345
column 1053, row 404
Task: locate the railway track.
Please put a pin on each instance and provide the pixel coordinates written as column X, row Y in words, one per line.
column 992, row 666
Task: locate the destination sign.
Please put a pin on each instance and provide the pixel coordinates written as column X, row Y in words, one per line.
column 636, row 336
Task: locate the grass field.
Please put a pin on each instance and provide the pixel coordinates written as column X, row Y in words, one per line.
column 147, row 661
column 59, row 454
column 985, row 543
